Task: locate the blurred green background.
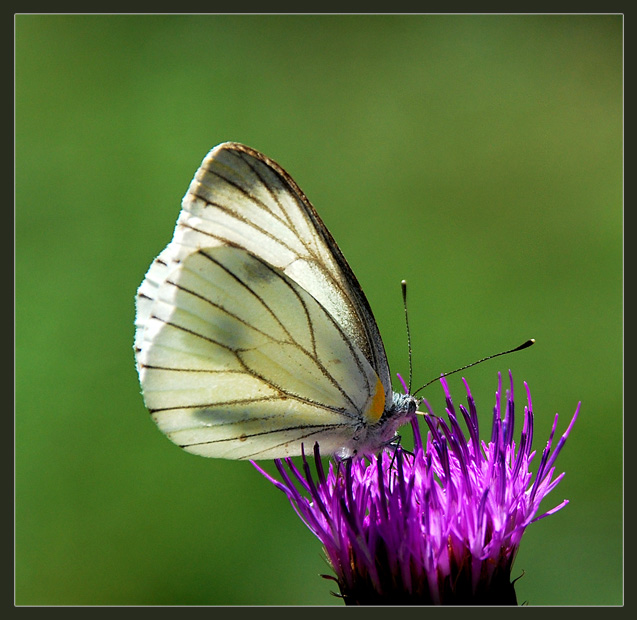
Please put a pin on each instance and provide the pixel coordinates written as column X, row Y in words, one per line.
column 479, row 157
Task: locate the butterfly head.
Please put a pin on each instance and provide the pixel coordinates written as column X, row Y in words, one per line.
column 371, row 438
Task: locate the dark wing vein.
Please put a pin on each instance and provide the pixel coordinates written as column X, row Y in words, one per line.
column 248, row 161
column 251, row 291
column 237, row 216
column 219, row 306
column 206, row 371
column 221, row 403
column 192, row 332
column 316, row 429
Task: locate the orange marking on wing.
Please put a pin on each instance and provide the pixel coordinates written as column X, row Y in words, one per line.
column 377, row 405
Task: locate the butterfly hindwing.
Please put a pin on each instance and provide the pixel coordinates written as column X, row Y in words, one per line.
column 237, row 360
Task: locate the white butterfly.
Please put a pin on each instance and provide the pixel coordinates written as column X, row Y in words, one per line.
column 253, row 335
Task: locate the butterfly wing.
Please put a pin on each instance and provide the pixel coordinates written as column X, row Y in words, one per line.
column 237, row 360
column 242, row 199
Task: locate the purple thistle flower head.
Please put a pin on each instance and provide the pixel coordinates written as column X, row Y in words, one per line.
column 439, row 525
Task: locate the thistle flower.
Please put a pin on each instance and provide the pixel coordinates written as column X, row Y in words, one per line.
column 439, row 525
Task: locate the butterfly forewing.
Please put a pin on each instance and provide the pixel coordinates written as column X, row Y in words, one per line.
column 241, row 198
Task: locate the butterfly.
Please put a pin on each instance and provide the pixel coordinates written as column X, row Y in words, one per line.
column 253, row 336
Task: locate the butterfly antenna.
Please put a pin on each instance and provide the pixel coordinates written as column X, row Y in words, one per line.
column 403, row 286
column 525, row 345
